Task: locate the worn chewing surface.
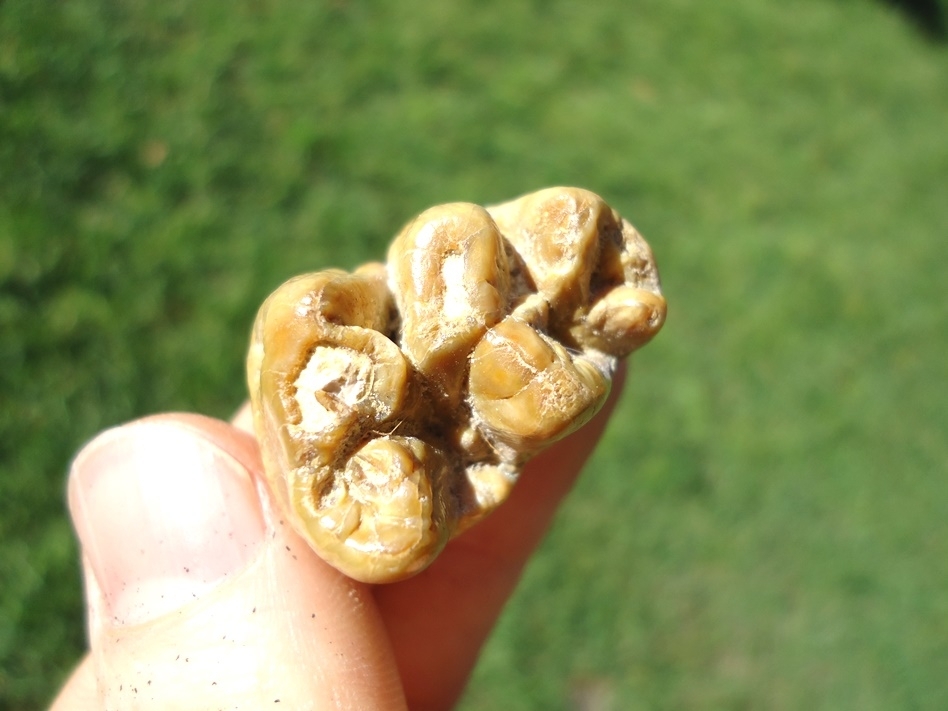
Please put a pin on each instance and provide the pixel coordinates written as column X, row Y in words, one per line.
column 396, row 405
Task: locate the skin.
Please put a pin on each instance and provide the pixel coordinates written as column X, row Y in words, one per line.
column 314, row 638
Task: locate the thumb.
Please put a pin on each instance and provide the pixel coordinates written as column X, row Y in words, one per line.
column 199, row 596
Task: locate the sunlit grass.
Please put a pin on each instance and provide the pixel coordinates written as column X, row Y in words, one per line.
column 765, row 524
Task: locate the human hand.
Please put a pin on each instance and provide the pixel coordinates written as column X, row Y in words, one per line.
column 199, row 597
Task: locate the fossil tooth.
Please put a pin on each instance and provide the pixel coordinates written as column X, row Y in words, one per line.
column 395, row 406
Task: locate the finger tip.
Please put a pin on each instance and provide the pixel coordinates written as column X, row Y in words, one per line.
column 80, row 691
column 163, row 513
column 243, row 418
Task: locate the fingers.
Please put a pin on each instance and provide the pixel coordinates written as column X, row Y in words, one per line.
column 80, row 692
column 243, row 418
column 439, row 619
column 199, row 597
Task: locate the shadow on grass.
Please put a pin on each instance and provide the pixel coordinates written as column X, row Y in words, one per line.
column 927, row 15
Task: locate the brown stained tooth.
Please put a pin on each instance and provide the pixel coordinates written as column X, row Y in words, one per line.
column 527, row 391
column 586, row 263
column 321, row 373
column 555, row 232
column 486, row 486
column 395, row 406
column 450, row 280
column 384, row 515
column 624, row 319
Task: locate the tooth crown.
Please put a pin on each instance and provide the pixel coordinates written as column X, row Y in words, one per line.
column 396, row 405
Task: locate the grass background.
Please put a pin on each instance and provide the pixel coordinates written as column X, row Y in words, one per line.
column 766, row 523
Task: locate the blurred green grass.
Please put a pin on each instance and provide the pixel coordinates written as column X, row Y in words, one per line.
column 766, row 523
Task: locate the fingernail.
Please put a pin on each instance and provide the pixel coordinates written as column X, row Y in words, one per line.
column 163, row 515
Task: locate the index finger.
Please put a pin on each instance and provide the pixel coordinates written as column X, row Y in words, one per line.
column 439, row 619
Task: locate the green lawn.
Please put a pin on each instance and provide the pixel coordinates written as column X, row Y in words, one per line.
column 766, row 523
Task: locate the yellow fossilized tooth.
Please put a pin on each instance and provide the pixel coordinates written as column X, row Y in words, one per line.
column 578, row 251
column 482, row 489
column 621, row 320
column 384, row 514
column 626, row 307
column 449, row 276
column 395, row 406
column 527, row 391
column 322, row 376
column 555, row 232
